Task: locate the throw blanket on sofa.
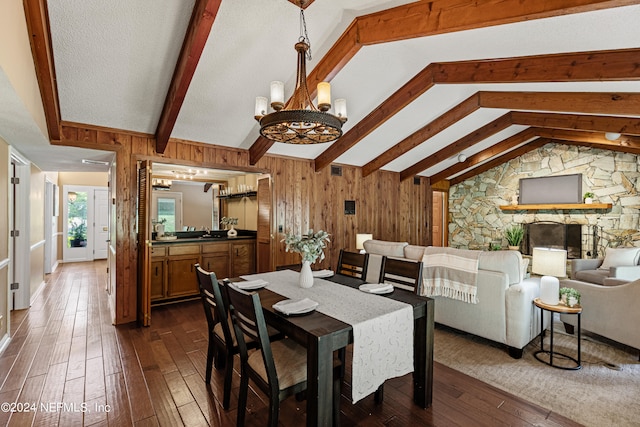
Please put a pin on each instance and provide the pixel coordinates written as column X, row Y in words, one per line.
column 451, row 273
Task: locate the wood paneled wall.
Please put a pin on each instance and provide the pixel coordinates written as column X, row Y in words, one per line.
column 302, row 199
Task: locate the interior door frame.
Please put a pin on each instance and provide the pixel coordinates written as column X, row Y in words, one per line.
column 19, row 220
column 49, row 188
column 96, row 231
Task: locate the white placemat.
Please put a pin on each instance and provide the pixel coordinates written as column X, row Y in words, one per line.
column 382, row 327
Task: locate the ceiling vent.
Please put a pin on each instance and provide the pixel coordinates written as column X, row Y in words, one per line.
column 416, row 180
column 94, row 162
column 336, row 170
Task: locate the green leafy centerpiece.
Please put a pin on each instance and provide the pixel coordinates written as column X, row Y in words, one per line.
column 310, row 246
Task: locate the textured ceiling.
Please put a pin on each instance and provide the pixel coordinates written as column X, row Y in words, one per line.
column 114, row 65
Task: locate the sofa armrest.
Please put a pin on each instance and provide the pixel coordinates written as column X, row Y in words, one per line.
column 610, row 311
column 523, row 321
column 610, row 281
column 626, row 272
column 584, row 264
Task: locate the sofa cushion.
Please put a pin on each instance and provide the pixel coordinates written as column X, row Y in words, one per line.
column 592, row 276
column 508, row 262
column 414, row 252
column 615, row 257
column 381, row 247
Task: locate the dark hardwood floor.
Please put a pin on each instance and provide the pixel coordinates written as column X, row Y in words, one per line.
column 67, row 365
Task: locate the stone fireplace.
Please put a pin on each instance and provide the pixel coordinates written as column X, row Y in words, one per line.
column 553, row 235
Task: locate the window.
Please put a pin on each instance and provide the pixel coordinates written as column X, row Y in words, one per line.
column 167, row 207
column 77, row 219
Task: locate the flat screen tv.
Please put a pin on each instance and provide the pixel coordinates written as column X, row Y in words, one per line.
column 551, row 189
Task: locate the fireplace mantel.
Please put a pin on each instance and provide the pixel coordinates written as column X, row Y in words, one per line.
column 558, row 206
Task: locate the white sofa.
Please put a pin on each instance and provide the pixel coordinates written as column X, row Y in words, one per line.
column 504, row 313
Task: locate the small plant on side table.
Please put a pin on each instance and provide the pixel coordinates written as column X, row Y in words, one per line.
column 569, row 296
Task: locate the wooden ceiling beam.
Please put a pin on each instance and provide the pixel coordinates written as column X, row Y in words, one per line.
column 202, row 18
column 619, row 148
column 425, row 18
column 533, row 145
column 625, row 104
column 401, row 98
column 432, row 128
column 623, row 125
column 419, row 19
column 611, row 65
column 484, row 155
column 559, row 131
column 37, row 18
column 588, row 137
column 456, row 147
column 605, row 65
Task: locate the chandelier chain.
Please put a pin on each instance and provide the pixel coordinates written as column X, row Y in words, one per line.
column 304, row 37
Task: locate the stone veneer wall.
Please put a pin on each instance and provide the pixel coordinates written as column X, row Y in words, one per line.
column 475, row 219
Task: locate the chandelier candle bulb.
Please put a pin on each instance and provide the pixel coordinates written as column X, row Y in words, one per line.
column 277, row 95
column 324, row 96
column 341, row 109
column 261, row 107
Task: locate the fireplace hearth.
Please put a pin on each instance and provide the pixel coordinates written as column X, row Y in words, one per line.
column 553, row 235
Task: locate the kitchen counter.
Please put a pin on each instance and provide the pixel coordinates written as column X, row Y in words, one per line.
column 201, row 240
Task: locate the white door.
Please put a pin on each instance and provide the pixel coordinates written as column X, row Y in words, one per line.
column 101, row 230
column 78, row 223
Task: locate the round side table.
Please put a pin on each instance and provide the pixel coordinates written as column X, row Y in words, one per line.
column 558, row 308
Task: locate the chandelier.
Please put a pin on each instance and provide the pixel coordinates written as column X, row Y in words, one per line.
column 299, row 121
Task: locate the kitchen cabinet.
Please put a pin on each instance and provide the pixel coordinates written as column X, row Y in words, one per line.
column 215, row 257
column 182, row 279
column 173, row 274
column 243, row 258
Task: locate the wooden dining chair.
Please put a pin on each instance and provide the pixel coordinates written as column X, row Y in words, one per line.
column 401, row 273
column 222, row 340
column 279, row 369
column 353, row 264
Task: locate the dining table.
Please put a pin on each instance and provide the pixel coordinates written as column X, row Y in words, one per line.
column 323, row 334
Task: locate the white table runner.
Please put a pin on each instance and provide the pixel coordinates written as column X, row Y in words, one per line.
column 382, row 327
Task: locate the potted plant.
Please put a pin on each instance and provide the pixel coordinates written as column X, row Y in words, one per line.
column 514, row 235
column 230, row 221
column 569, row 297
column 588, row 197
column 310, row 246
column 78, row 234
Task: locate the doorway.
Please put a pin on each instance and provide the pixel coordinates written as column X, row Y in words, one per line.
column 439, row 232
column 85, row 223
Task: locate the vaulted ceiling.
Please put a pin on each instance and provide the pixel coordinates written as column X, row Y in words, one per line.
column 424, row 81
